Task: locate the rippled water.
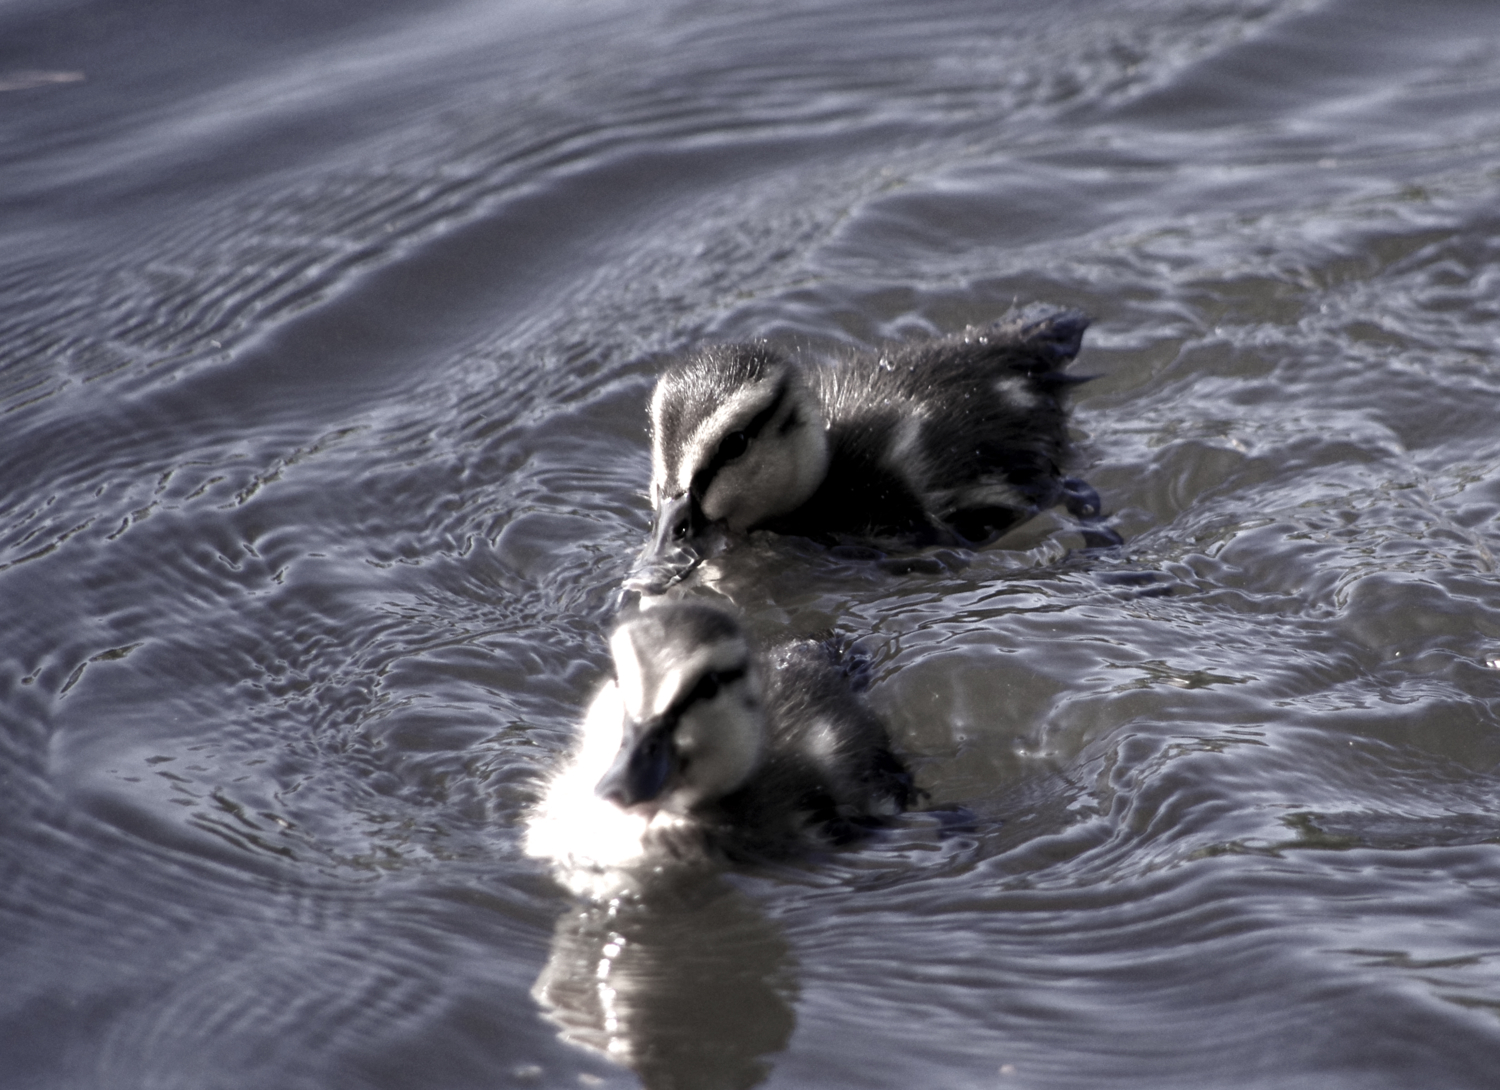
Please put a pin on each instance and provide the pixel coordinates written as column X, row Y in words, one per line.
column 325, row 337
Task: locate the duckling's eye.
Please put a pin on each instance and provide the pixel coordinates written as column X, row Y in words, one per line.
column 707, row 687
column 734, row 444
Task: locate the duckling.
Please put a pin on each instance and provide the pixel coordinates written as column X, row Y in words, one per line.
column 949, row 441
column 702, row 747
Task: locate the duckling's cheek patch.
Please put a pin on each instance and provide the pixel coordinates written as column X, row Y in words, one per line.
column 734, row 491
column 767, row 481
column 721, row 741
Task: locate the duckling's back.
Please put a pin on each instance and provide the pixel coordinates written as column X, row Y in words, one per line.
column 828, row 774
column 967, row 432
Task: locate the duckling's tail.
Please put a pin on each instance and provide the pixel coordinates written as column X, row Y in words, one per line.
column 1041, row 341
column 1054, row 333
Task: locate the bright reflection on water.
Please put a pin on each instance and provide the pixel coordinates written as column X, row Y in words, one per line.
column 325, row 339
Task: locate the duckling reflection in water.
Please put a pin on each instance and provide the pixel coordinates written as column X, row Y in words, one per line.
column 692, row 985
column 949, row 441
column 701, row 747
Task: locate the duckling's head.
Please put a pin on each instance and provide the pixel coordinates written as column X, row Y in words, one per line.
column 690, row 696
column 737, row 438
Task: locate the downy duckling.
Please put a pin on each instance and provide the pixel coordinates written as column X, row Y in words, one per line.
column 949, row 441
column 701, row 747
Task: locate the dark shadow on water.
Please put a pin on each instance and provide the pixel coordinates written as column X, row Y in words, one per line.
column 692, row 987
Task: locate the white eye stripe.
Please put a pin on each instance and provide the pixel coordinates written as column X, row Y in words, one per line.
column 652, row 677
column 733, row 415
column 628, row 674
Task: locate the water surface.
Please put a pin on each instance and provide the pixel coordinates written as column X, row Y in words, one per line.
column 325, row 339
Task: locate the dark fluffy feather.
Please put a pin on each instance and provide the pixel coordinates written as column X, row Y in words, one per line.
column 805, row 792
column 974, row 432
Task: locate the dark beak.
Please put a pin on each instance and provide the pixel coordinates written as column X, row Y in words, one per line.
column 640, row 770
column 673, row 550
